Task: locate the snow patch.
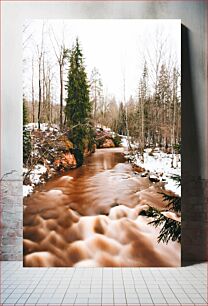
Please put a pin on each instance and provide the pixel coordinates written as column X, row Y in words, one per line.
column 172, row 186
column 27, row 189
column 39, row 169
column 43, row 127
column 36, row 173
column 124, row 142
column 159, row 164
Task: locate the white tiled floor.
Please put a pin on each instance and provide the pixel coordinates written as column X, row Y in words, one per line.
column 103, row 286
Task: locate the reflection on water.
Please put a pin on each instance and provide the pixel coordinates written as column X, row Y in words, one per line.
column 90, row 217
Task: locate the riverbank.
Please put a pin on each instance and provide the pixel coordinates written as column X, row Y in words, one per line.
column 49, row 152
column 158, row 166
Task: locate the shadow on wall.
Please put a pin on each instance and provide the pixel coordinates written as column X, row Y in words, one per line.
column 194, row 206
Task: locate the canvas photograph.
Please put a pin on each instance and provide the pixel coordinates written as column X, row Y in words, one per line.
column 101, row 149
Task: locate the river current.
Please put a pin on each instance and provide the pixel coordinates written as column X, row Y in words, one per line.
column 90, row 217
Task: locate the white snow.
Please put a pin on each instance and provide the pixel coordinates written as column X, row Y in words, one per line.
column 36, row 173
column 124, row 142
column 34, row 177
column 43, row 126
column 171, row 185
column 159, row 163
column 27, row 189
column 39, row 169
column 154, row 177
column 25, row 170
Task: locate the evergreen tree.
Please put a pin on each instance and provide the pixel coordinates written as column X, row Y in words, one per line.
column 141, row 108
column 121, row 120
column 25, row 112
column 26, row 134
column 78, row 106
column 164, row 106
column 170, row 229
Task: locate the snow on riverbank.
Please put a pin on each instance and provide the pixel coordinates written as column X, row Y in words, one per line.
column 159, row 163
column 51, row 153
column 35, row 178
column 36, row 173
column 43, row 127
column 124, row 142
column 27, row 189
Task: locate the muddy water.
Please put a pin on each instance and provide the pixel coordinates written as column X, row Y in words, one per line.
column 90, row 217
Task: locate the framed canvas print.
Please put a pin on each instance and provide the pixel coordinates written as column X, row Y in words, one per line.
column 102, row 142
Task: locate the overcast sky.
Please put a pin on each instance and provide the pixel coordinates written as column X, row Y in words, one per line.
column 115, row 47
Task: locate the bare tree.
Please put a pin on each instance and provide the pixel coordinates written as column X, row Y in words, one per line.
column 48, row 84
column 126, row 109
column 61, row 53
column 33, row 92
column 96, row 94
column 40, row 55
column 27, row 34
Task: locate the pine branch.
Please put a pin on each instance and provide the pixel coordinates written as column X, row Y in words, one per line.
column 174, row 202
column 177, row 179
column 171, row 229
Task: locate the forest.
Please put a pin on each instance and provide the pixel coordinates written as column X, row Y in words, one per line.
column 150, row 117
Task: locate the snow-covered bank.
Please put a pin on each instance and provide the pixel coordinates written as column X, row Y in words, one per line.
column 34, row 177
column 43, row 127
column 50, row 153
column 27, row 189
column 159, row 164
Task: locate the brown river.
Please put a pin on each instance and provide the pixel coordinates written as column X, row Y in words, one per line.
column 90, row 217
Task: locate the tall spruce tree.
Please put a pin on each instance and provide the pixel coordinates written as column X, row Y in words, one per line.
column 142, row 106
column 25, row 112
column 78, row 106
column 121, row 120
column 26, row 134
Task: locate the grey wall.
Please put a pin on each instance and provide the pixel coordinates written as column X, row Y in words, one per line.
column 194, row 112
